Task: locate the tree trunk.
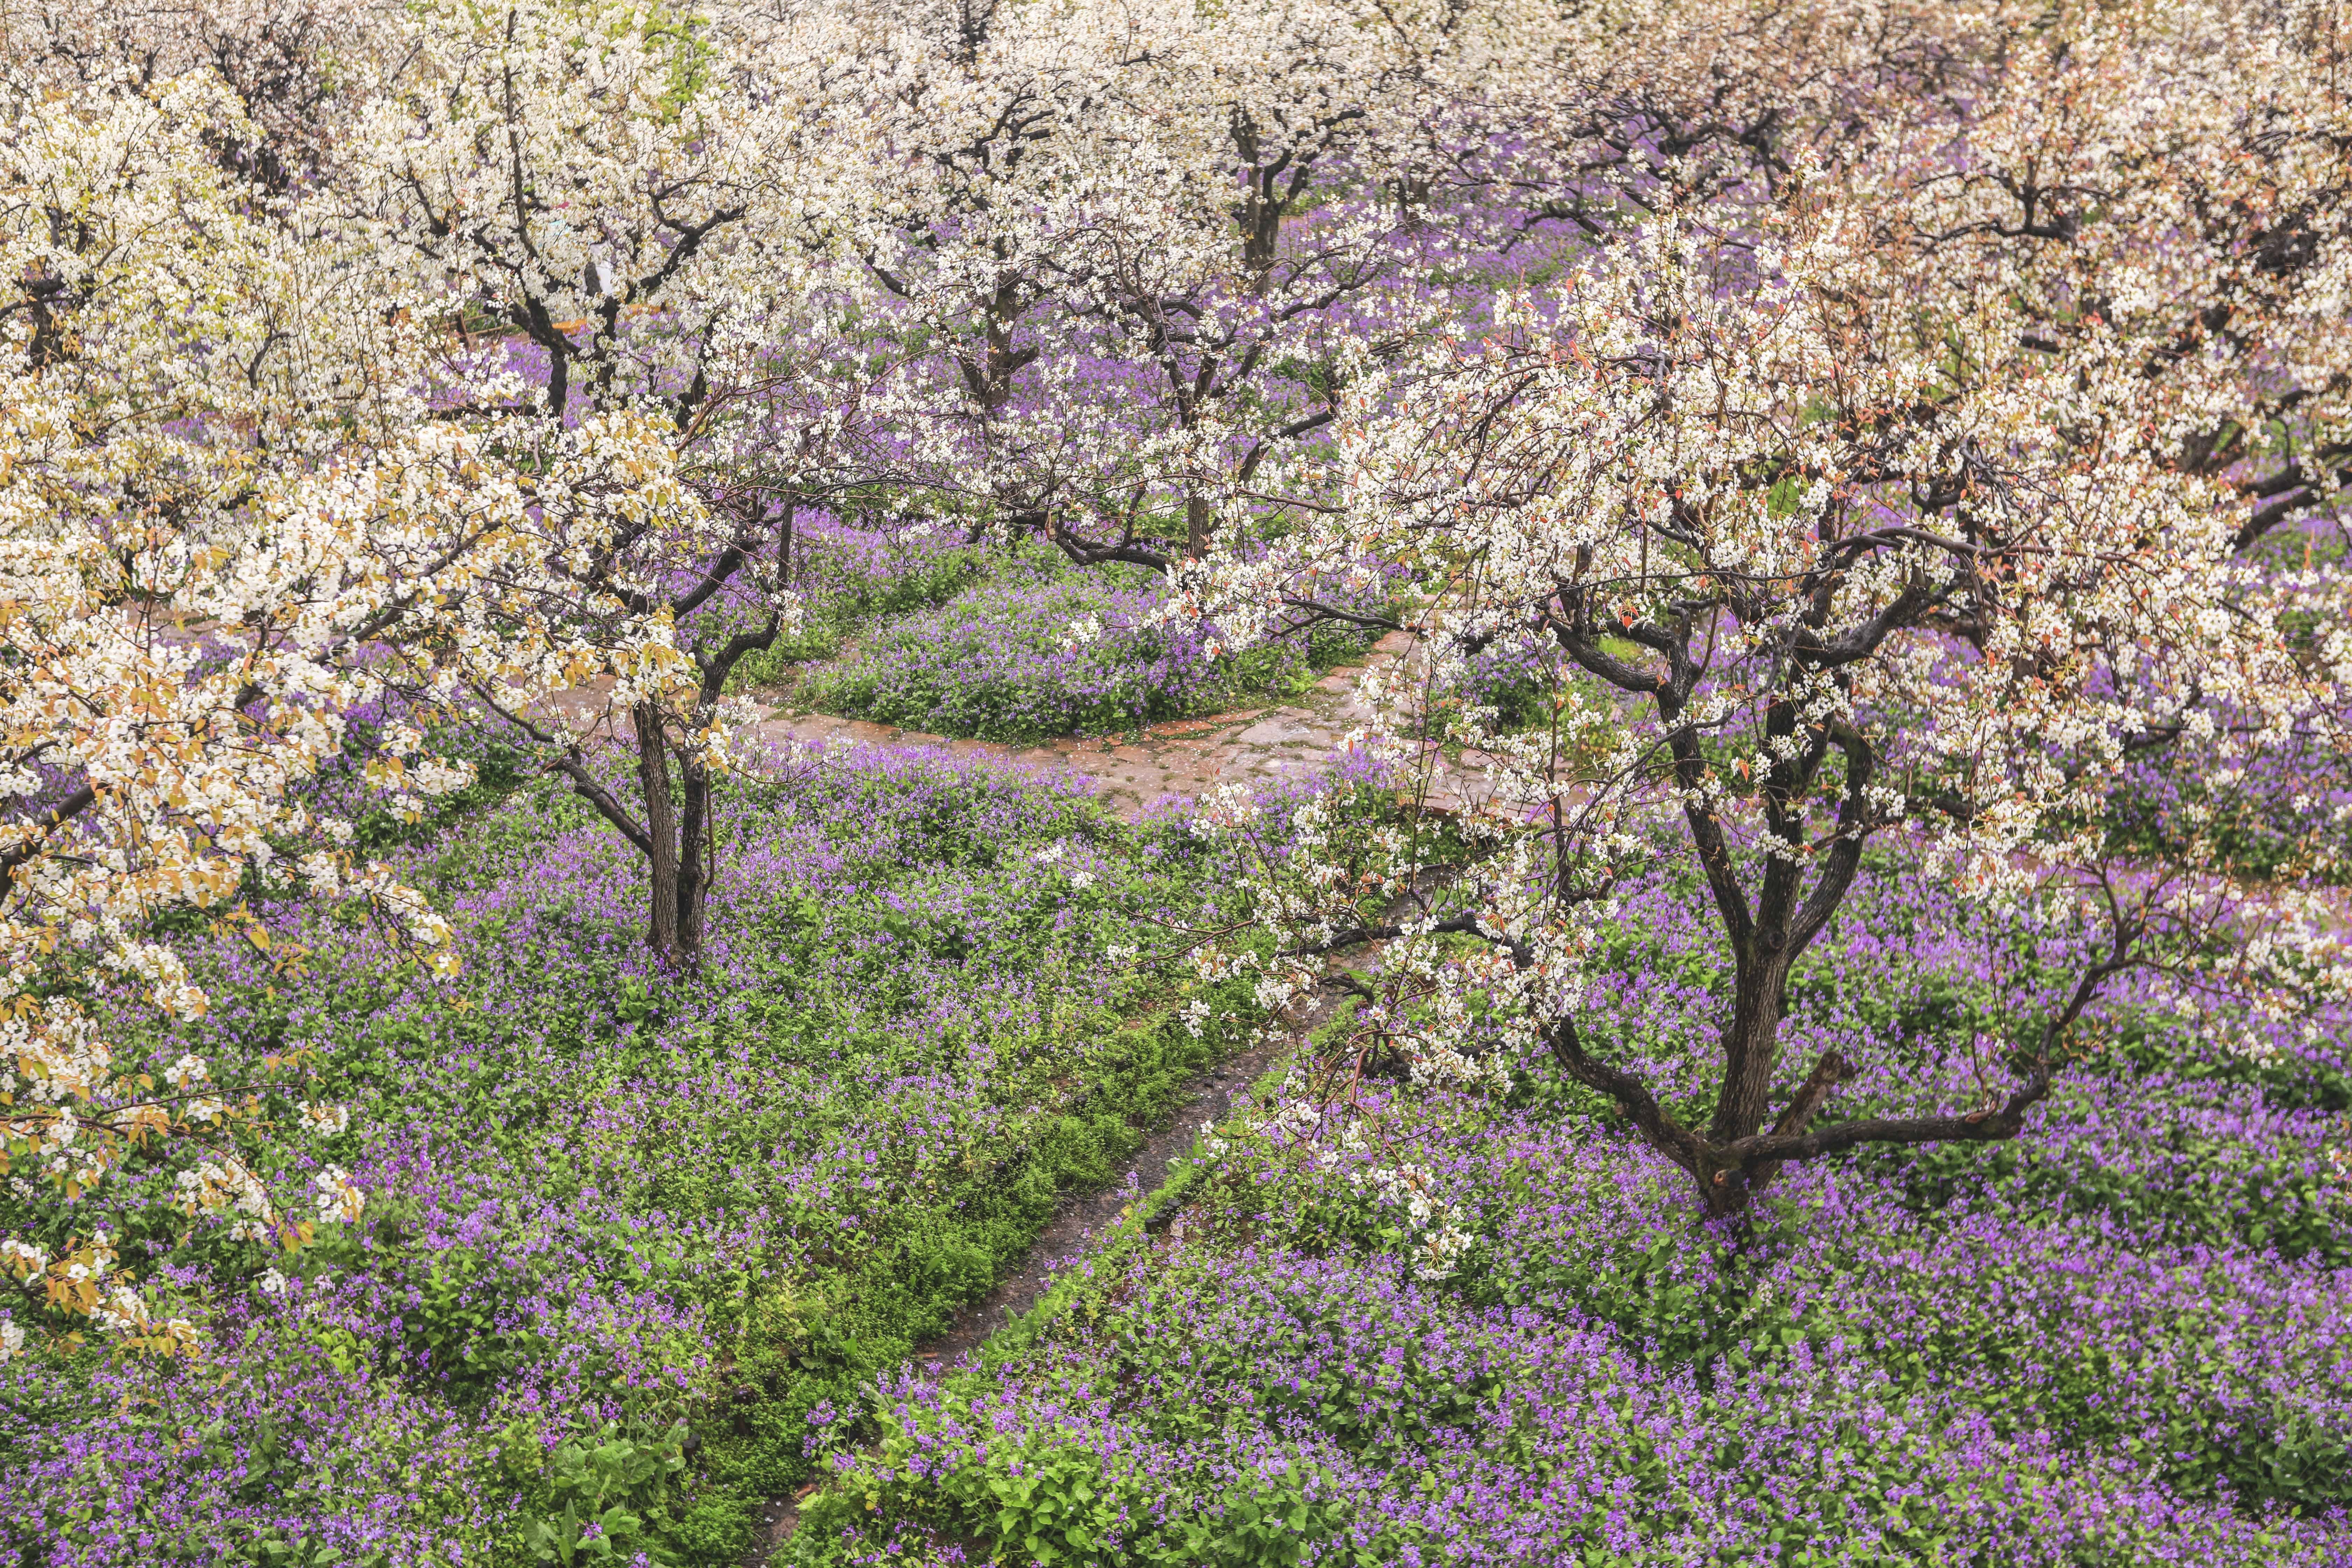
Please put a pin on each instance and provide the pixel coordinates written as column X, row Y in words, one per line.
column 1751, row 1052
column 695, row 861
column 1751, row 1045
column 1725, row 1195
column 661, row 829
column 1197, row 519
column 678, row 850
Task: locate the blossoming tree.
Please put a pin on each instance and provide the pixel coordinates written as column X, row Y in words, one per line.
column 1907, row 501
column 629, row 222
column 228, row 523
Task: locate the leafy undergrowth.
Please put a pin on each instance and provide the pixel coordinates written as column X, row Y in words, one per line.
column 851, row 576
column 630, row 1240
column 1042, row 648
column 1411, row 1326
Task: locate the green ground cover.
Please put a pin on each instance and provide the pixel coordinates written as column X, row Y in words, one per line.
column 1012, row 643
column 631, row 1238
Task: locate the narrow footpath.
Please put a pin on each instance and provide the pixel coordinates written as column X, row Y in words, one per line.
column 1081, row 1218
column 1180, row 760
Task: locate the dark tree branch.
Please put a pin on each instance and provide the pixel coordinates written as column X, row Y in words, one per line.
column 14, row 858
column 1631, row 1096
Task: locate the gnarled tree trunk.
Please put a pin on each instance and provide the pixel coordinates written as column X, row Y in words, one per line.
column 678, row 841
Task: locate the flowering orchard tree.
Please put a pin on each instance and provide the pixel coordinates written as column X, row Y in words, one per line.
column 629, row 224
column 1144, row 240
column 615, row 513
column 1918, row 503
column 227, row 525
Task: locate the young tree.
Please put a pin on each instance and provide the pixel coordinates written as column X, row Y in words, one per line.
column 1911, row 500
column 649, row 203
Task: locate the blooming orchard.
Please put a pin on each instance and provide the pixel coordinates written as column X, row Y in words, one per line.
column 1892, row 446
column 1863, row 484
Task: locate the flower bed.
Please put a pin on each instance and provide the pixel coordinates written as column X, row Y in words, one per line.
column 1063, row 653
column 1403, row 1325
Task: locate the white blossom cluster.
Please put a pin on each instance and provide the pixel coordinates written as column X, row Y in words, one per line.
column 76, row 1281
column 1436, row 1229
column 1437, row 1239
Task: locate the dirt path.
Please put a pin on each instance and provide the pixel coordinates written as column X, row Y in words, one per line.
column 1184, row 758
column 1181, row 760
